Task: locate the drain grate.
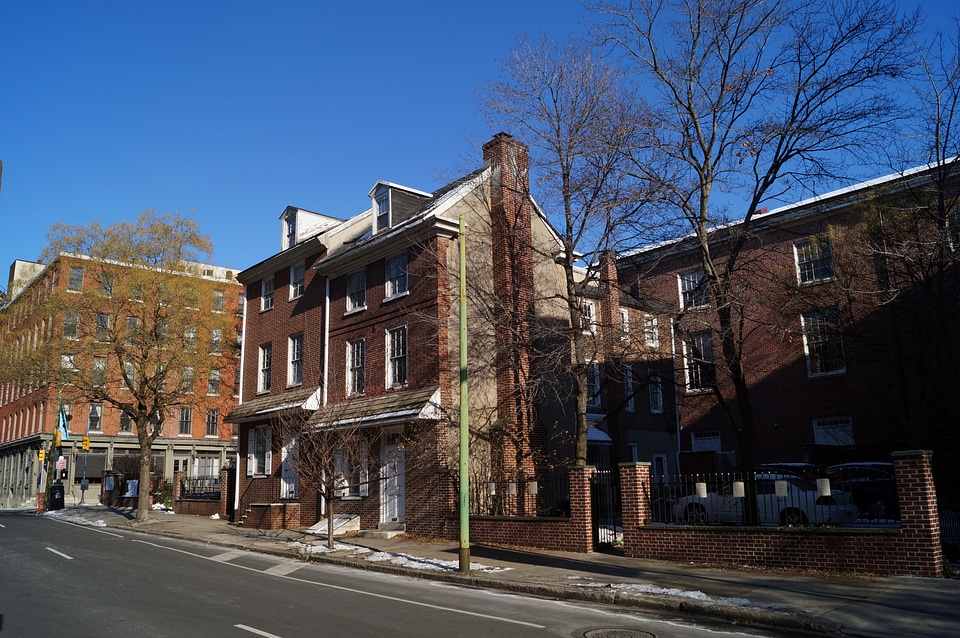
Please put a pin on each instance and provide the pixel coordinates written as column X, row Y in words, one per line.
column 617, row 633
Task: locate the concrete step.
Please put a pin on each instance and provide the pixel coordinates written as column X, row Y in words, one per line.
column 384, row 530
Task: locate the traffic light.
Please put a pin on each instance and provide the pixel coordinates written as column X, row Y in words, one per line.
column 86, row 443
column 43, row 455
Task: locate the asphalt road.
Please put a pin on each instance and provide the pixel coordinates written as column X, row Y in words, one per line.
column 60, row 579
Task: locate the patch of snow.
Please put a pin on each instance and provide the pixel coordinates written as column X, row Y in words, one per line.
column 432, row 564
column 215, row 517
column 70, row 518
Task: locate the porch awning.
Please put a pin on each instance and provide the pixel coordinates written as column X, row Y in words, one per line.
column 389, row 409
column 265, row 406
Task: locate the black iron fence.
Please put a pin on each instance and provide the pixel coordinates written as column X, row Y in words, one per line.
column 772, row 498
column 201, row 488
column 542, row 497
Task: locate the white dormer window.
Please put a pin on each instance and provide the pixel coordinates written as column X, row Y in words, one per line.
column 383, row 211
column 290, row 230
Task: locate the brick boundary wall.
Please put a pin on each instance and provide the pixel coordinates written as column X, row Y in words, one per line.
column 199, row 506
column 274, row 516
column 912, row 550
column 573, row 534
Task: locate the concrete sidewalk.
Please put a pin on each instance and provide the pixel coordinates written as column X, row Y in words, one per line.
column 846, row 605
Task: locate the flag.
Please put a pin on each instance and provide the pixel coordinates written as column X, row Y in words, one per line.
column 62, row 425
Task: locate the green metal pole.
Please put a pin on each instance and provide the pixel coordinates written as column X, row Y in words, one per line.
column 464, row 413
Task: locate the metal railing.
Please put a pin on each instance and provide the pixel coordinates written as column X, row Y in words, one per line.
column 200, row 488
column 543, row 497
column 779, row 499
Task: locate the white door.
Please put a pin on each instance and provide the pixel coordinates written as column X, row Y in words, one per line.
column 391, row 479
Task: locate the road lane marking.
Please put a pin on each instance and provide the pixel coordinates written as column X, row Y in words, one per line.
column 59, row 553
column 256, row 631
column 356, row 591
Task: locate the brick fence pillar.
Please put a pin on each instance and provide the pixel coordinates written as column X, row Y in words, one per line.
column 635, row 503
column 224, row 493
column 581, row 508
column 922, row 554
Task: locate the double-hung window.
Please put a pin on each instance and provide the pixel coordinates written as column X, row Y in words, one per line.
column 95, row 417
column 823, row 343
column 266, row 361
column 624, row 324
column 266, row 293
column 356, row 367
column 213, row 422
column 99, row 374
column 295, row 363
column 383, row 211
column 655, row 386
column 75, row 279
column 814, row 259
column 593, row 384
column 296, row 281
column 396, row 276
column 103, row 327
column 186, row 420
column 693, row 289
column 213, row 382
column 259, row 452
column 629, row 403
column 357, row 291
column 651, row 332
column 218, row 301
column 588, row 317
column 71, row 325
column 397, row 357
column 700, row 366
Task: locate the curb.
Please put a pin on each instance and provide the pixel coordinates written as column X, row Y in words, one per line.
column 602, row 595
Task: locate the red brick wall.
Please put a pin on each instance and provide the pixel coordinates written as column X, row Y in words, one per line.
column 912, row 550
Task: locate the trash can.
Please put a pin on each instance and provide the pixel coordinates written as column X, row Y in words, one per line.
column 56, row 496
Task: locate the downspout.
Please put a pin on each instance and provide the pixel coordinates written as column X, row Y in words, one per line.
column 676, row 388
column 326, row 337
column 243, row 341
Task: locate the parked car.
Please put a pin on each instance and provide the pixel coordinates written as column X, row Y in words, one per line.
column 798, row 504
column 872, row 486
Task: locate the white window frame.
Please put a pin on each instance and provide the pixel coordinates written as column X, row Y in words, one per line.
column 185, row 411
column 651, row 331
column 102, row 327
column 290, row 230
column 356, row 291
column 71, row 325
column 694, row 291
column 382, row 204
column 356, row 367
column 217, row 304
column 352, row 478
column 833, row 431
column 588, row 317
column 297, row 280
column 259, row 451
column 396, row 281
column 823, row 343
column 630, row 403
column 214, row 382
column 700, row 367
column 266, row 293
column 398, row 352
column 624, row 324
column 265, row 368
column 655, row 390
column 75, row 279
column 814, row 260
column 289, row 479
column 706, row 441
column 594, row 389
column 98, row 375
column 212, row 415
column 295, row 360
column 95, row 417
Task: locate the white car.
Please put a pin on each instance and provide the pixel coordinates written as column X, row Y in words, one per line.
column 782, row 499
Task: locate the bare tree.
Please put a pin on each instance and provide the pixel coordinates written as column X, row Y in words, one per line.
column 753, row 99
column 570, row 107
column 139, row 335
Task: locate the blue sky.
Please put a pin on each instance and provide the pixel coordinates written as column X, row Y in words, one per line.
column 235, row 110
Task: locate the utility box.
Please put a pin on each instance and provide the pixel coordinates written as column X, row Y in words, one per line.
column 56, row 496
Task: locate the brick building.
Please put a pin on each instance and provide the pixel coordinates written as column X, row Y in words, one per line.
column 194, row 440
column 836, row 334
column 355, row 321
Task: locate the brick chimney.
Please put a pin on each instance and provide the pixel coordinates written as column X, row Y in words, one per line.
column 512, row 252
